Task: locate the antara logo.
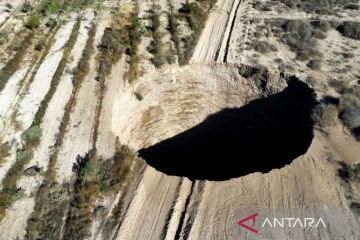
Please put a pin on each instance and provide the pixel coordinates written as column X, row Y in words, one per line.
column 288, row 222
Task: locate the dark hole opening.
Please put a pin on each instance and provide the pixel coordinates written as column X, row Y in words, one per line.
column 265, row 134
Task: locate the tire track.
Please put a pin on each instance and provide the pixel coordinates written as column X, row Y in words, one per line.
column 231, row 31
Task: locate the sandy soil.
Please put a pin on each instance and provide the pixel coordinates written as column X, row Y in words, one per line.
column 9, row 93
column 12, row 227
column 106, row 138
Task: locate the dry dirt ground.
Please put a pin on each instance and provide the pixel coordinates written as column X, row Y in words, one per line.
column 230, row 67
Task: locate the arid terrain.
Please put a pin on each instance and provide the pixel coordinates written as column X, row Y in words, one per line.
column 175, row 119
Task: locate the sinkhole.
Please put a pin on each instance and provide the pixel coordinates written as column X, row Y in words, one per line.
column 265, row 134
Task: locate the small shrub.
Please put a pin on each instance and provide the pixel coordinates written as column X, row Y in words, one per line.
column 350, row 30
column 24, row 155
column 89, row 170
column 58, row 193
column 314, row 64
column 51, row 24
column 339, row 86
column 31, row 136
column 4, row 152
column 325, row 115
column 26, row 7
column 349, row 172
column 264, row 47
column 349, row 108
column 33, row 22
column 19, row 193
column 8, row 6
column 321, row 25
column 138, row 96
column 48, row 7
column 319, row 34
column 355, row 208
column 40, row 45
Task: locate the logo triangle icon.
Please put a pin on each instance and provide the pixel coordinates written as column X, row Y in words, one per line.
column 250, row 228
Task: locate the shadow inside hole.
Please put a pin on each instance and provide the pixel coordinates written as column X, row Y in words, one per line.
column 265, row 134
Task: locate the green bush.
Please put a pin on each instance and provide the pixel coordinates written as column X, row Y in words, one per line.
column 24, row 155
column 325, row 115
column 31, row 136
column 89, row 170
column 33, row 22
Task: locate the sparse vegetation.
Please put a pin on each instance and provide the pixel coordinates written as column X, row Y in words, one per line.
column 83, row 65
column 94, row 179
column 9, row 188
column 301, row 36
column 10, row 192
column 317, row 6
column 173, row 29
column 195, row 16
column 156, row 45
column 135, row 33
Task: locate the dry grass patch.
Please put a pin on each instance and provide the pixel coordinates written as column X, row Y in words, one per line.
column 14, row 64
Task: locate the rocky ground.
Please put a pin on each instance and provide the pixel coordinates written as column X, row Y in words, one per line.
column 90, row 89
